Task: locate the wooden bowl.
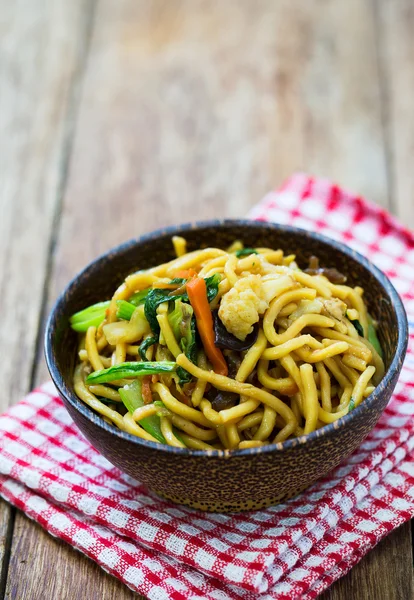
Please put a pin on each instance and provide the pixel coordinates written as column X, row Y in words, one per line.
column 239, row 479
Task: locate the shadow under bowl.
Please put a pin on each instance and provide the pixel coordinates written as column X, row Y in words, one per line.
column 241, row 479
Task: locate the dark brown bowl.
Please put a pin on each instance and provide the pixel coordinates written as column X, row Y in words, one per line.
column 240, row 479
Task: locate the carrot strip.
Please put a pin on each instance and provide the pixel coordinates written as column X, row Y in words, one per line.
column 197, row 294
column 185, row 273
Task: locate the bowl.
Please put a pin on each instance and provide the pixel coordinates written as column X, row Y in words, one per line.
column 240, row 479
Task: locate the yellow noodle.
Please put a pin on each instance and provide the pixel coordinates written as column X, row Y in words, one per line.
column 144, row 279
column 210, row 414
column 339, row 291
column 236, row 245
column 287, row 347
column 295, row 403
column 167, row 432
column 104, row 392
column 284, row 385
column 132, row 350
column 212, row 265
column 289, row 364
column 233, row 436
column 194, row 443
column 297, row 330
column 352, row 314
column 356, row 346
column 274, row 257
column 337, row 373
column 310, row 398
column 322, row 353
column 91, row 400
column 169, row 337
column 312, row 281
column 222, row 433
column 102, row 342
column 329, row 417
column 83, row 355
column 144, row 411
column 349, row 373
column 250, row 420
column 298, row 325
column 120, row 353
column 267, row 425
column 229, row 269
column 359, row 305
column 91, row 349
column 288, row 309
column 378, row 363
column 354, row 362
column 200, row 387
column 224, row 383
column 252, row 356
column 178, row 407
column 180, row 245
column 280, row 302
column 191, row 429
column 344, row 399
column 191, row 259
column 130, row 426
column 361, row 384
column 237, row 412
column 325, row 387
column 250, row 444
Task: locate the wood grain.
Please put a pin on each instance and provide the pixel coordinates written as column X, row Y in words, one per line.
column 396, row 53
column 193, row 109
column 59, row 573
column 385, row 573
column 39, row 54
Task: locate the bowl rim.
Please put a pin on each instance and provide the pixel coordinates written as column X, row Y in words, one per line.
column 325, row 431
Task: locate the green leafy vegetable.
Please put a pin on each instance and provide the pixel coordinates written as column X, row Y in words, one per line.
column 357, row 326
column 131, row 396
column 154, row 298
column 245, row 252
column 89, row 317
column 351, row 404
column 183, row 325
column 139, row 297
column 180, row 321
column 125, row 309
column 373, row 339
column 212, row 284
column 130, row 369
column 144, row 345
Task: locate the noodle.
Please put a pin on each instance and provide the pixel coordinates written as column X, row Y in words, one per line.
column 297, row 352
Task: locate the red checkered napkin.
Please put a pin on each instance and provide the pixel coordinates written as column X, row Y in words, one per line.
column 294, row 550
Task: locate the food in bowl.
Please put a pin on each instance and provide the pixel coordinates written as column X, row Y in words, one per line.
column 227, row 349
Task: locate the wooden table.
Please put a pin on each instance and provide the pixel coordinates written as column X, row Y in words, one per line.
column 119, row 116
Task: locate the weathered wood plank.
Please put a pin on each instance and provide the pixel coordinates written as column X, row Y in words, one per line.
column 384, row 574
column 193, row 109
column 39, row 54
column 59, row 573
column 396, row 55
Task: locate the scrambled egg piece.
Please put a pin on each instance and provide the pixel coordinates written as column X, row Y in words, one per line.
column 241, row 306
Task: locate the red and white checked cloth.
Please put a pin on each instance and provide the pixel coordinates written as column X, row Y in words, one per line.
column 295, row 550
